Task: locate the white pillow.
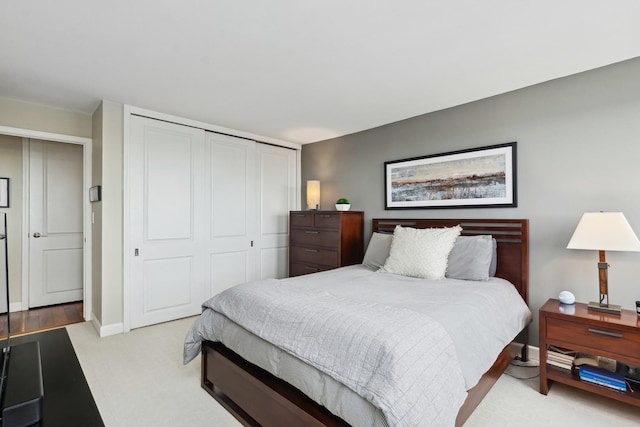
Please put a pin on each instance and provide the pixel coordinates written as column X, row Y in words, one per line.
column 470, row 258
column 378, row 250
column 420, row 252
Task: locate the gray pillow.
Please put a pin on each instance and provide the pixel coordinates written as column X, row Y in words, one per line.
column 378, row 250
column 470, row 258
column 494, row 260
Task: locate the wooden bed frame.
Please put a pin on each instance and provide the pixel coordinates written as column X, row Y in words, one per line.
column 257, row 398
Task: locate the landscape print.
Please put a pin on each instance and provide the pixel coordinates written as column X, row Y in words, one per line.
column 478, row 177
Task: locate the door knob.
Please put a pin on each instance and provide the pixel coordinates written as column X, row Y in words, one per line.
column 37, row 235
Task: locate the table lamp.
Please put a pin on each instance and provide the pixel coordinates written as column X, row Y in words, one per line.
column 313, row 194
column 604, row 231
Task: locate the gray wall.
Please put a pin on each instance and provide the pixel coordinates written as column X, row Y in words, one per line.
column 578, row 150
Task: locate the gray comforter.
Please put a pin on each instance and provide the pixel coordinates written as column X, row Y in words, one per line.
column 371, row 332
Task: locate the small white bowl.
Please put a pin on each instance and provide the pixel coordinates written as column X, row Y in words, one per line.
column 343, row 207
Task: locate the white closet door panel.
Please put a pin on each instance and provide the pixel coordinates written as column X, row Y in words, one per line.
column 277, row 182
column 165, row 281
column 167, row 208
column 231, row 177
column 228, row 269
column 231, row 243
column 274, row 262
column 169, row 192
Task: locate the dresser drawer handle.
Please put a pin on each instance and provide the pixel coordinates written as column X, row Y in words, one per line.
column 326, row 216
column 311, row 268
column 607, row 333
column 311, row 232
column 301, row 215
column 311, row 250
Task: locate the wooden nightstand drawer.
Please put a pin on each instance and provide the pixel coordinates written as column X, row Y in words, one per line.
column 327, row 220
column 602, row 338
column 314, row 255
column 324, row 238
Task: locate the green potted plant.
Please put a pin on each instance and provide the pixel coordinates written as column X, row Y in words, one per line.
column 343, row 204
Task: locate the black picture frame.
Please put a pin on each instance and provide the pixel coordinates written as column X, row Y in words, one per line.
column 484, row 177
column 4, row 192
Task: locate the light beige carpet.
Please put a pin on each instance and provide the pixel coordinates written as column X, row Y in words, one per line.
column 137, row 379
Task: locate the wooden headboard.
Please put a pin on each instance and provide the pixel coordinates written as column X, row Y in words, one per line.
column 512, row 236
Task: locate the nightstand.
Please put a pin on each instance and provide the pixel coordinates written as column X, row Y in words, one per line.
column 573, row 327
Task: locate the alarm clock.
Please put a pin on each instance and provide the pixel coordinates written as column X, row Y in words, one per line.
column 566, row 297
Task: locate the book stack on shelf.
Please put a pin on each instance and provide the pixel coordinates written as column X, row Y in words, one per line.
column 602, row 377
column 560, row 357
column 597, row 361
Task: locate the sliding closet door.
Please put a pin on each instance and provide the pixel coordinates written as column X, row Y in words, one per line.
column 168, row 215
column 277, row 187
column 207, row 212
column 231, row 211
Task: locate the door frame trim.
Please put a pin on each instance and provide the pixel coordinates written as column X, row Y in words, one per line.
column 86, row 143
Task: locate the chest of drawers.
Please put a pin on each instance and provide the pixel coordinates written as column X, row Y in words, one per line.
column 322, row 240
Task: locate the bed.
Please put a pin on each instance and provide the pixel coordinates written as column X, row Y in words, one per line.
column 260, row 383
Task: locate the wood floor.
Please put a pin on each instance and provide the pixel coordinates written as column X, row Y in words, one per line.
column 38, row 319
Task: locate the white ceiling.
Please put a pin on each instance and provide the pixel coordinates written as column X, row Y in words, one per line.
column 296, row 70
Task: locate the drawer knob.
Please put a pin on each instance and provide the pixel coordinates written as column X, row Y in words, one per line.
column 311, row 250
column 607, row 333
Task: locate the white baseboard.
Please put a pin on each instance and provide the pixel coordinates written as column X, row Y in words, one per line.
column 105, row 331
column 15, row 306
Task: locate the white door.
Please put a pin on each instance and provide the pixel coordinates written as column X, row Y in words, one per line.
column 277, row 184
column 167, row 208
column 231, row 211
column 3, row 262
column 55, row 223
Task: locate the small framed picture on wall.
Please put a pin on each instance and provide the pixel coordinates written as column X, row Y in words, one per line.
column 4, row 192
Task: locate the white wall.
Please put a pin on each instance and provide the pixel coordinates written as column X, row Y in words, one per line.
column 578, row 150
column 27, row 115
column 108, row 216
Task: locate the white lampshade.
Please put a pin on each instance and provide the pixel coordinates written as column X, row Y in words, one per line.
column 313, row 194
column 608, row 231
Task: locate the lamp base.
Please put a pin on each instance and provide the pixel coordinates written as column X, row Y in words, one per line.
column 605, row 308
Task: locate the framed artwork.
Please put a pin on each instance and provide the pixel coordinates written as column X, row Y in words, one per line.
column 475, row 178
column 4, row 192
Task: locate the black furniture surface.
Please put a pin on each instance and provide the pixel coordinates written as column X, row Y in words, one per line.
column 67, row 398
